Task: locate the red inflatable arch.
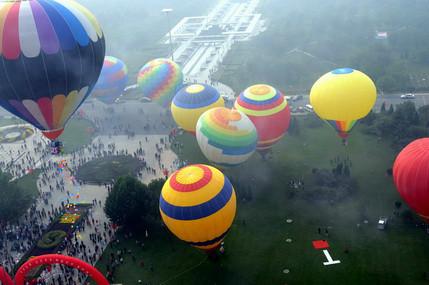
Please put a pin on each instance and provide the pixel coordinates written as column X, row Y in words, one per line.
column 49, row 259
column 4, row 277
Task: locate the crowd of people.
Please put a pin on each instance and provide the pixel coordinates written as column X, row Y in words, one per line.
column 56, row 188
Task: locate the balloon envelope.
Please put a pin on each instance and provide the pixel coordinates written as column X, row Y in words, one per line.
column 192, row 101
column 267, row 108
column 411, row 176
column 160, row 79
column 49, row 259
column 52, row 53
column 198, row 205
column 112, row 81
column 226, row 137
column 343, row 96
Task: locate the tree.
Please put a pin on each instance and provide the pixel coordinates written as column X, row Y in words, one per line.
column 383, row 107
column 346, row 171
column 385, row 126
column 398, row 205
column 294, row 127
column 13, row 200
column 369, row 119
column 424, row 115
column 133, row 204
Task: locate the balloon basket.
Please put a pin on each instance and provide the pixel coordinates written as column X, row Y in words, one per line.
column 57, row 148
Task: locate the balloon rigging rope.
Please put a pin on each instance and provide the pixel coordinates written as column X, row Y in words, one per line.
column 185, row 271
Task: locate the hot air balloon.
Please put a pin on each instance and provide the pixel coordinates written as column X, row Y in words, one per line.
column 112, row 81
column 343, row 96
column 160, row 79
column 267, row 108
column 51, row 53
column 192, row 101
column 49, row 259
column 411, row 176
column 198, row 205
column 226, row 137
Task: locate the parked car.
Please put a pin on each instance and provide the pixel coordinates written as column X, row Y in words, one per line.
column 408, row 96
column 382, row 223
column 308, row 108
column 296, row 97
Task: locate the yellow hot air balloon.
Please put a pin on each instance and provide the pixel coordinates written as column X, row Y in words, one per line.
column 191, row 102
column 343, row 96
column 198, row 205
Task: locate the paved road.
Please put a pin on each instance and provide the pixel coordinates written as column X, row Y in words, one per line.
column 421, row 99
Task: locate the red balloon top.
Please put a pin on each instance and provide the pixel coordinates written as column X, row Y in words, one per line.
column 411, row 176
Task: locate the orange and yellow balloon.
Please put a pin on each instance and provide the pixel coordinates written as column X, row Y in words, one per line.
column 342, row 97
column 198, row 205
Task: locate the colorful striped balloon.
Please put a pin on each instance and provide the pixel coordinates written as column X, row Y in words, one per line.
column 267, row 108
column 343, row 128
column 226, row 137
column 52, row 52
column 112, row 81
column 192, row 101
column 342, row 97
column 198, row 205
column 159, row 80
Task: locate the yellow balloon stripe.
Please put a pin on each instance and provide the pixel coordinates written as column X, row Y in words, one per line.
column 206, row 228
column 268, row 93
column 262, row 113
column 188, row 118
column 271, row 141
column 186, row 199
column 4, row 10
column 58, row 107
column 189, row 175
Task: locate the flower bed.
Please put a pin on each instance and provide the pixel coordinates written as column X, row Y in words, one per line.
column 51, row 239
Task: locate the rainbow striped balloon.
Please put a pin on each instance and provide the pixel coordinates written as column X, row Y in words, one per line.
column 343, row 128
column 226, row 137
column 112, row 81
column 198, row 205
column 52, row 53
column 160, row 79
column 267, row 108
column 191, row 102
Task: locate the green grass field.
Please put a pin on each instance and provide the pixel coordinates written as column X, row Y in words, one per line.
column 6, row 121
column 257, row 251
column 76, row 134
column 107, row 168
column 29, row 183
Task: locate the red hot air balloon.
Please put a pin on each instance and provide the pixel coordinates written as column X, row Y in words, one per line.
column 4, row 277
column 50, row 259
column 411, row 176
column 267, row 108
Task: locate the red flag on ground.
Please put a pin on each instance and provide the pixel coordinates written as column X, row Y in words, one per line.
column 320, row 244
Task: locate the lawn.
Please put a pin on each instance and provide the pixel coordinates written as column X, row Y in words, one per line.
column 29, row 183
column 106, row 169
column 256, row 247
column 78, row 132
column 9, row 120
